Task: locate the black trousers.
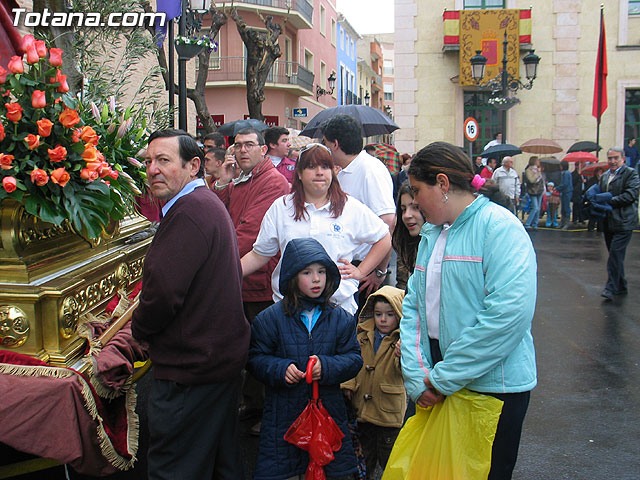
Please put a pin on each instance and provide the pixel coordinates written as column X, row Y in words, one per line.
column 377, row 443
column 193, row 431
column 506, row 443
column 617, row 245
column 253, row 389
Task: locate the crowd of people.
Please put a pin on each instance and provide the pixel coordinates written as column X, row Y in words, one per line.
column 280, row 264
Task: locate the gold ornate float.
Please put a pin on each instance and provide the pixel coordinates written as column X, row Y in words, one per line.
column 50, row 277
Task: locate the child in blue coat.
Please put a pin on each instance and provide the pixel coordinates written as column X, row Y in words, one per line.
column 283, row 337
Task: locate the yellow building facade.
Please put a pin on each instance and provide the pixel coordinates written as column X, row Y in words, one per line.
column 430, row 102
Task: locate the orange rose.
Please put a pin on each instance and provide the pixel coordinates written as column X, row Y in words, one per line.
column 89, row 135
column 60, row 176
column 2, row 134
column 62, row 80
column 9, row 184
column 44, row 127
column 88, row 175
column 14, row 112
column 39, row 177
column 27, row 41
column 41, row 48
column 38, row 99
column 90, row 153
column 75, row 137
column 94, row 166
column 3, row 75
column 69, row 118
column 6, row 161
column 55, row 57
column 57, row 154
column 16, row 65
column 105, row 169
column 32, row 55
column 114, row 174
column 33, row 141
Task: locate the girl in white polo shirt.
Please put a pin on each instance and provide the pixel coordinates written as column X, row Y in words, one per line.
column 318, row 208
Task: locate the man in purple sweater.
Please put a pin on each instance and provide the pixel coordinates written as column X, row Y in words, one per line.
column 191, row 316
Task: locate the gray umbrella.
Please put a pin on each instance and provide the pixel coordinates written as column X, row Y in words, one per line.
column 232, row 128
column 373, row 121
column 500, row 151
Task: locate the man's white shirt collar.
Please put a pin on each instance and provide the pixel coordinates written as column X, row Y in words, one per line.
column 187, row 189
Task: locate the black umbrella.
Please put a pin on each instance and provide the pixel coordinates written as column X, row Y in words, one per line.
column 500, row 151
column 550, row 164
column 232, row 128
column 373, row 121
column 585, row 146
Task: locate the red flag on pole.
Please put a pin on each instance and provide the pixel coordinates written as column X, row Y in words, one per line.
column 600, row 85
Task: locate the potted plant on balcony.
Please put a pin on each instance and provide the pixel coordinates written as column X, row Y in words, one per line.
column 49, row 160
column 189, row 47
column 503, row 103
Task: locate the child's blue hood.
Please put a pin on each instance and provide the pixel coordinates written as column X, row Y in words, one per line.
column 300, row 253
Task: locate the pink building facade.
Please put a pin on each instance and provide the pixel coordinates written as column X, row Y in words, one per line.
column 308, row 46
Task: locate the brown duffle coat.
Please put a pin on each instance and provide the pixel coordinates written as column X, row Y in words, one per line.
column 377, row 392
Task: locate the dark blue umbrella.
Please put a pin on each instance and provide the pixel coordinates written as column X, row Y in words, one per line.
column 500, row 151
column 231, row 129
column 374, row 122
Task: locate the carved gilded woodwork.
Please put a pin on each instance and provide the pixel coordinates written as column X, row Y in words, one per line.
column 50, row 277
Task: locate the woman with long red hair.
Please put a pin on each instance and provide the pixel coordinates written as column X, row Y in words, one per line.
column 317, row 207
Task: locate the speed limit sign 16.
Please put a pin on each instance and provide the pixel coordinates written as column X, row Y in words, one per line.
column 471, row 129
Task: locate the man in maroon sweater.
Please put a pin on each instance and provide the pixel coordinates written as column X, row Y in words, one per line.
column 248, row 198
column 191, row 316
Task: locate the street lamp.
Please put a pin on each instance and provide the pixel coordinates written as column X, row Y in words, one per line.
column 504, row 82
column 190, row 23
column 332, row 85
column 367, row 98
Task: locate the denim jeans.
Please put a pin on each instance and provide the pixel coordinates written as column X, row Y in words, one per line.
column 534, row 211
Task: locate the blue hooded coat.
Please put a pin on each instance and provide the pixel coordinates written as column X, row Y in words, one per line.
column 278, row 340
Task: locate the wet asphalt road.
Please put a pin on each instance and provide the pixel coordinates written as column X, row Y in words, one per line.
column 584, row 416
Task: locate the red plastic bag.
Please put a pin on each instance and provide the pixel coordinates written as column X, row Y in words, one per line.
column 316, row 432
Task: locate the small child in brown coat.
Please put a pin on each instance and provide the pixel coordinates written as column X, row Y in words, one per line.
column 377, row 393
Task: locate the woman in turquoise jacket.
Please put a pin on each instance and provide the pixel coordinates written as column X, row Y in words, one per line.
column 467, row 313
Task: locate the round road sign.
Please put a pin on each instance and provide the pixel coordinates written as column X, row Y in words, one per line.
column 471, row 129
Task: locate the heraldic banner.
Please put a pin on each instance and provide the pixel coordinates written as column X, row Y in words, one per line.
column 484, row 30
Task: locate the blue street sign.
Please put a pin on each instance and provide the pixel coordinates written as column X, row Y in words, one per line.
column 299, row 112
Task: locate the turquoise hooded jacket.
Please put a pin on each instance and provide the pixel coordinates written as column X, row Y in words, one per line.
column 487, row 301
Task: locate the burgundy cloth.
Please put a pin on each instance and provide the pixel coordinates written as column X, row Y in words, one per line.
column 115, row 362
column 10, row 39
column 148, row 207
column 47, row 417
column 190, row 310
column 247, row 203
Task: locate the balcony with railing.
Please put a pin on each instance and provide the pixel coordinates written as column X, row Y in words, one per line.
column 300, row 11
column 291, row 76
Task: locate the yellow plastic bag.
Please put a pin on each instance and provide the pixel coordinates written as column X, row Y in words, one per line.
column 449, row 441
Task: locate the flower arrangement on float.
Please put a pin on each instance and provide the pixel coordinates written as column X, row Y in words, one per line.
column 49, row 159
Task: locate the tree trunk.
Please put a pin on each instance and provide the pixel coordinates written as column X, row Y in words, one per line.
column 197, row 96
column 262, row 52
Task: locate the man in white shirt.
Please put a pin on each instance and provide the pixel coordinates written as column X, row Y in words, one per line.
column 507, row 179
column 365, row 178
column 497, row 140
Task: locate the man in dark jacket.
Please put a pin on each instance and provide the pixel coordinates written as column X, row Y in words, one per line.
column 248, row 198
column 623, row 184
column 190, row 314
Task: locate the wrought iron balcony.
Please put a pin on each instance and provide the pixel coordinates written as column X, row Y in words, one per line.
column 292, row 76
column 300, row 11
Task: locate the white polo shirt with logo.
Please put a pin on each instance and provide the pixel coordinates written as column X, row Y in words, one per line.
column 367, row 179
column 340, row 237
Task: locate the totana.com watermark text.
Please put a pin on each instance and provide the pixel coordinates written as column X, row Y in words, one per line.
column 78, row 19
